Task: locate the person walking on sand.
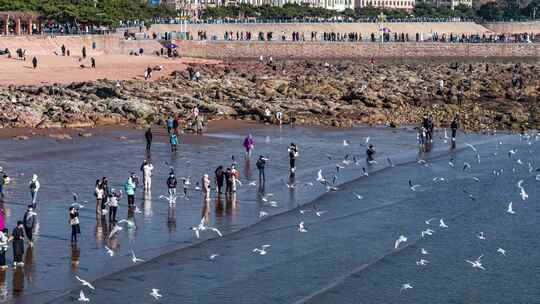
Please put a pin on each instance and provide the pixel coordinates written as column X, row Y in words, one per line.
column 174, row 142
column 29, row 222
column 74, row 223
column 17, row 236
column 220, row 178
column 83, row 51
column 93, row 62
column 148, row 137
column 169, row 124
column 34, row 188
column 34, row 62
column 129, row 188
column 3, row 248
column 248, row 145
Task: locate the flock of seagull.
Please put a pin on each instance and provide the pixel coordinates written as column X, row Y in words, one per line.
column 330, row 184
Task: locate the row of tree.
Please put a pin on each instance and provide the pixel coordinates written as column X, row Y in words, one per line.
column 94, row 12
column 492, row 11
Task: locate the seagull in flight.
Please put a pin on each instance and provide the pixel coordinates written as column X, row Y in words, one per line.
column 481, row 235
column 466, row 166
column 301, row 227
column 428, row 222
column 427, row 232
column 522, row 192
column 82, row 298
column 423, row 251
column 358, row 196
column 405, row 287
column 472, row 147
column 512, row 152
column 510, row 209
column 115, row 230
column 345, row 143
column 320, row 177
column 422, row 262
column 319, row 213
column 85, row 283
column 135, row 259
column 155, row 293
column 262, row 214
column 442, row 224
column 476, row 263
column 262, row 250
column 202, row 227
column 400, row 240
column 213, row 256
column 413, row 187
column 501, row 251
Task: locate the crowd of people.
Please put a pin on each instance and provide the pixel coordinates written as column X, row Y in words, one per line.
column 383, row 36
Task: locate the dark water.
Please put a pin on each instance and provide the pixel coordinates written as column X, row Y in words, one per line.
column 347, row 255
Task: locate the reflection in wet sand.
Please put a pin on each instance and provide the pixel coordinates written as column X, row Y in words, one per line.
column 206, row 210
column 171, row 218
column 18, row 282
column 75, row 254
column 3, row 286
column 29, row 266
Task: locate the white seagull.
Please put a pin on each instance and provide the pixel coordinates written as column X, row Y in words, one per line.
column 82, row 298
column 422, row 262
column 442, row 224
column 423, row 251
column 84, row 283
column 155, row 293
column 428, row 222
column 481, row 235
column 501, row 251
column 114, row 230
column 476, row 263
column 400, row 240
column 427, row 232
column 405, row 287
column 202, row 227
column 413, row 187
column 213, row 256
column 345, row 143
column 522, row 192
column 510, row 209
column 301, row 227
column 262, row 214
column 262, row 250
column 358, row 196
column 135, row 259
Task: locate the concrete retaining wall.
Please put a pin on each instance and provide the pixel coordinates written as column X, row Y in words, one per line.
column 278, row 50
column 514, row 27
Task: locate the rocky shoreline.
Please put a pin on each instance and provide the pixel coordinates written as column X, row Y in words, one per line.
column 339, row 94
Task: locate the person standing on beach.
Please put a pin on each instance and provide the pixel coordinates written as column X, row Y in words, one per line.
column 34, row 62
column 454, row 126
column 29, row 221
column 74, row 223
column 63, row 48
column 228, row 181
column 174, row 142
column 169, row 124
column 34, row 188
column 261, row 163
column 3, row 248
column 83, row 51
column 293, row 154
column 106, row 192
column 176, row 125
column 99, row 194
column 129, row 188
column 113, row 206
column 370, row 154
column 17, row 236
column 206, row 187
column 147, row 176
column 220, row 177
column 248, row 145
column 171, row 185
column 148, row 137
column 93, row 62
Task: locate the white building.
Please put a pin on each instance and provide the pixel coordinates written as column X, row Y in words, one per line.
column 391, row 4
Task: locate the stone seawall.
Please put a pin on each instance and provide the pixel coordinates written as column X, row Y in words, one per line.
column 347, row 50
column 514, row 27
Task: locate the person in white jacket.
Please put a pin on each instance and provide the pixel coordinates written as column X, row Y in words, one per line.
column 34, row 188
column 147, row 175
column 3, row 248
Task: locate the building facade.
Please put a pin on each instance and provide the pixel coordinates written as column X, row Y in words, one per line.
column 388, row 4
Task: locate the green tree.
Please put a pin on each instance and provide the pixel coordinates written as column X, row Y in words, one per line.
column 490, row 11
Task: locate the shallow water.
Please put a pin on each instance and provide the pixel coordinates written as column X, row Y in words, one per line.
column 346, row 256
